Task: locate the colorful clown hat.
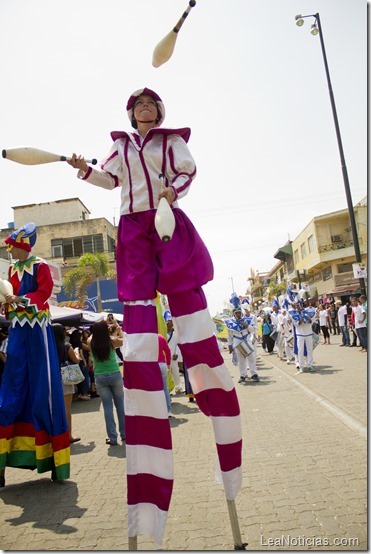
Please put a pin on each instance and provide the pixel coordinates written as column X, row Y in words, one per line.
column 24, row 237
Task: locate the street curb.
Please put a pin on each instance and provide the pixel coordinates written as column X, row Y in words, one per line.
column 338, row 412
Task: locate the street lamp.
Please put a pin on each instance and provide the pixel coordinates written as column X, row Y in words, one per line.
column 317, row 29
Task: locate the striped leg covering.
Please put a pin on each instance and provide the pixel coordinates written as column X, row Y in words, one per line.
column 149, row 454
column 211, row 382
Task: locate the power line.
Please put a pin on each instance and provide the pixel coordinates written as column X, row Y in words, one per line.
column 275, row 203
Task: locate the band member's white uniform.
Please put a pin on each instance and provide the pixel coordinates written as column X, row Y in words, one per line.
column 254, row 325
column 287, row 333
column 276, row 318
column 304, row 333
column 239, row 330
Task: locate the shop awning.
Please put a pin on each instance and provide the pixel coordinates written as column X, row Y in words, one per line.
column 344, row 291
column 283, row 252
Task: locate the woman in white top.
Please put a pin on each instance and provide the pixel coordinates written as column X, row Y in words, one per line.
column 324, row 322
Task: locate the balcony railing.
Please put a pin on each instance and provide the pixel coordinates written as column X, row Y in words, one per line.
column 336, row 245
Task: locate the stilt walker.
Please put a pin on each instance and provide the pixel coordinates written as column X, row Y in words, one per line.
column 178, row 268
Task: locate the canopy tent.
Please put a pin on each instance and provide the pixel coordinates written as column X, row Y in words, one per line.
column 71, row 317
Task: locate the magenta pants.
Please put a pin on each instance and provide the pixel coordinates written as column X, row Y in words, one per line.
column 145, row 264
column 178, row 269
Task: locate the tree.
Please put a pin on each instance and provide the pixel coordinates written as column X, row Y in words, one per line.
column 275, row 289
column 90, row 268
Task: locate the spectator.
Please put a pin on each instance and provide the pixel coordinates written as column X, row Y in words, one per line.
column 108, row 377
column 77, row 345
column 89, row 360
column 343, row 322
column 351, row 322
column 360, row 321
column 324, row 322
column 332, row 313
column 3, row 349
column 66, row 353
column 267, row 328
column 164, row 361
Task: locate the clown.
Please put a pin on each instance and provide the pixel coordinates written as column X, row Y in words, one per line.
column 33, row 426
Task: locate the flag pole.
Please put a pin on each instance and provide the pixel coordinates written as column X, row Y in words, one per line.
column 238, row 544
column 133, row 543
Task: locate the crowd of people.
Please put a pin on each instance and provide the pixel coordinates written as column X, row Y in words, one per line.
column 292, row 329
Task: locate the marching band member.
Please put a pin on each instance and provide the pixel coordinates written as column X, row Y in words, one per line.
column 240, row 331
column 276, row 319
column 286, row 330
column 302, row 319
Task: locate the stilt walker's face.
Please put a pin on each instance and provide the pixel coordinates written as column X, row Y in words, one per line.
column 145, row 109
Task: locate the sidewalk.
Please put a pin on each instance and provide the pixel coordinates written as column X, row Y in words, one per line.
column 304, row 471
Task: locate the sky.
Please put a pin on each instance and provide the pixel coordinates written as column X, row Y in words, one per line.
column 249, row 83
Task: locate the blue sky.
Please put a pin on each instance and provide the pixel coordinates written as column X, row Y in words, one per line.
column 247, row 80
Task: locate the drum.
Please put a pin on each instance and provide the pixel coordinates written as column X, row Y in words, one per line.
column 245, row 347
column 274, row 335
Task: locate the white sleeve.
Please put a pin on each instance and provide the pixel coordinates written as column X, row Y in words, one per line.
column 181, row 167
column 110, row 174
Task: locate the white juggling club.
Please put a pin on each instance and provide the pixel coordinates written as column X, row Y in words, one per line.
column 164, row 218
column 34, row 156
column 165, row 48
column 5, row 288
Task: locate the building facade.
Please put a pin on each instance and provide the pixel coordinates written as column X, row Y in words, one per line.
column 64, row 233
column 322, row 255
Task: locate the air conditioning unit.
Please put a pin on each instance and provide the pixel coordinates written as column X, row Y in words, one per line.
column 336, row 238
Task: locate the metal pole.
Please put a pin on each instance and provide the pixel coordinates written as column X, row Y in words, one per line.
column 342, row 158
column 133, row 543
column 231, row 278
column 238, row 544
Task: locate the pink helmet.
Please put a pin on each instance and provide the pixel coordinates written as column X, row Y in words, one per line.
column 131, row 102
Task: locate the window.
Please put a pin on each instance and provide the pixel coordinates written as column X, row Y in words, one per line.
column 111, row 244
column 76, row 247
column 310, row 244
column 68, row 248
column 57, row 251
column 344, row 268
column 303, row 250
column 327, row 273
column 296, row 256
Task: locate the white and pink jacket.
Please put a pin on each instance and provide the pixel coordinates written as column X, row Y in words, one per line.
column 121, row 167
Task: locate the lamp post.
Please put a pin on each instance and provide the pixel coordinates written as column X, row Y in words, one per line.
column 315, row 30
